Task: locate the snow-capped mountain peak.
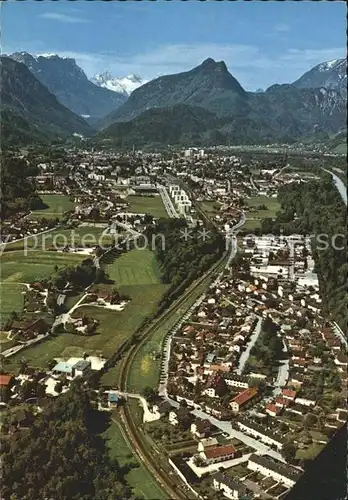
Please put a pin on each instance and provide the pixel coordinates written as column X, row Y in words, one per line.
column 124, row 85
column 325, row 66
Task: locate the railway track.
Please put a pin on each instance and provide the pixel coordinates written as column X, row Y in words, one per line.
column 172, row 488
column 175, row 490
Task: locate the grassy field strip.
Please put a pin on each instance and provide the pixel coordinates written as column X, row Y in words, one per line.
column 17, row 267
column 147, row 204
column 11, row 299
column 57, row 204
column 138, row 478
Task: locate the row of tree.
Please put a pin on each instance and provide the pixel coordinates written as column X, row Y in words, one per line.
column 184, row 254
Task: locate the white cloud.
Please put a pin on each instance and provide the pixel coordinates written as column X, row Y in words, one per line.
column 281, row 27
column 252, row 67
column 63, row 18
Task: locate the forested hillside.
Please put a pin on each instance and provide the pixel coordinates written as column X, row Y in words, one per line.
column 61, row 455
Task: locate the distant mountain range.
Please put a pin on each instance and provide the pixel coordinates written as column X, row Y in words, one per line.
column 67, row 81
column 124, row 85
column 29, row 112
column 281, row 113
column 205, row 105
column 209, row 85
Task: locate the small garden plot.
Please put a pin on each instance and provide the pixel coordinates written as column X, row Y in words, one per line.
column 277, row 490
column 237, row 472
column 267, row 483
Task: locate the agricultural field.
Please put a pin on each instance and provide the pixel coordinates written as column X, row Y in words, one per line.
column 11, row 299
column 272, row 205
column 136, row 267
column 57, row 204
column 136, row 274
column 147, row 204
column 254, row 215
column 210, row 207
column 140, row 480
column 145, row 369
column 19, row 268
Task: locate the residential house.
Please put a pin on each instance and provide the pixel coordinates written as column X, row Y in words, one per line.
column 162, row 407
column 113, row 400
column 234, row 380
column 213, row 455
column 201, row 428
column 273, row 409
column 228, row 487
column 82, row 367
column 5, row 381
column 242, row 399
column 289, row 394
column 305, row 401
column 64, row 368
column 206, row 443
column 215, row 387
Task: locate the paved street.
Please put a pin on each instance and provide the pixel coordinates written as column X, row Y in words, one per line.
column 245, row 354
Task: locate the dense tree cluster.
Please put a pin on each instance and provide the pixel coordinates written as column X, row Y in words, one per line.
column 79, row 276
column 270, row 347
column 18, row 194
column 316, row 208
column 184, row 254
column 61, row 455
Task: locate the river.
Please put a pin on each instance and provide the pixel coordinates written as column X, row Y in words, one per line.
column 340, row 186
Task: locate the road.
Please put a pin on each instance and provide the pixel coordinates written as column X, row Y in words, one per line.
column 127, row 227
column 18, row 348
column 245, row 354
column 4, row 243
column 230, row 237
column 226, row 427
column 283, row 373
column 65, row 317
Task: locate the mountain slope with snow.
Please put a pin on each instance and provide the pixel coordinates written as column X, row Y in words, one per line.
column 68, row 82
column 124, row 85
column 329, row 74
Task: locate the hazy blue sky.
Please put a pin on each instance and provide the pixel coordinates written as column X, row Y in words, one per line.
column 261, row 42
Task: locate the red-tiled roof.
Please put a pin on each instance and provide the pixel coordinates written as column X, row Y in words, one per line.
column 220, row 451
column 273, row 408
column 5, row 380
column 244, row 396
column 282, row 401
column 289, row 393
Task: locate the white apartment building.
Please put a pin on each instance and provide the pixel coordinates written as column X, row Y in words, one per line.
column 283, row 473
